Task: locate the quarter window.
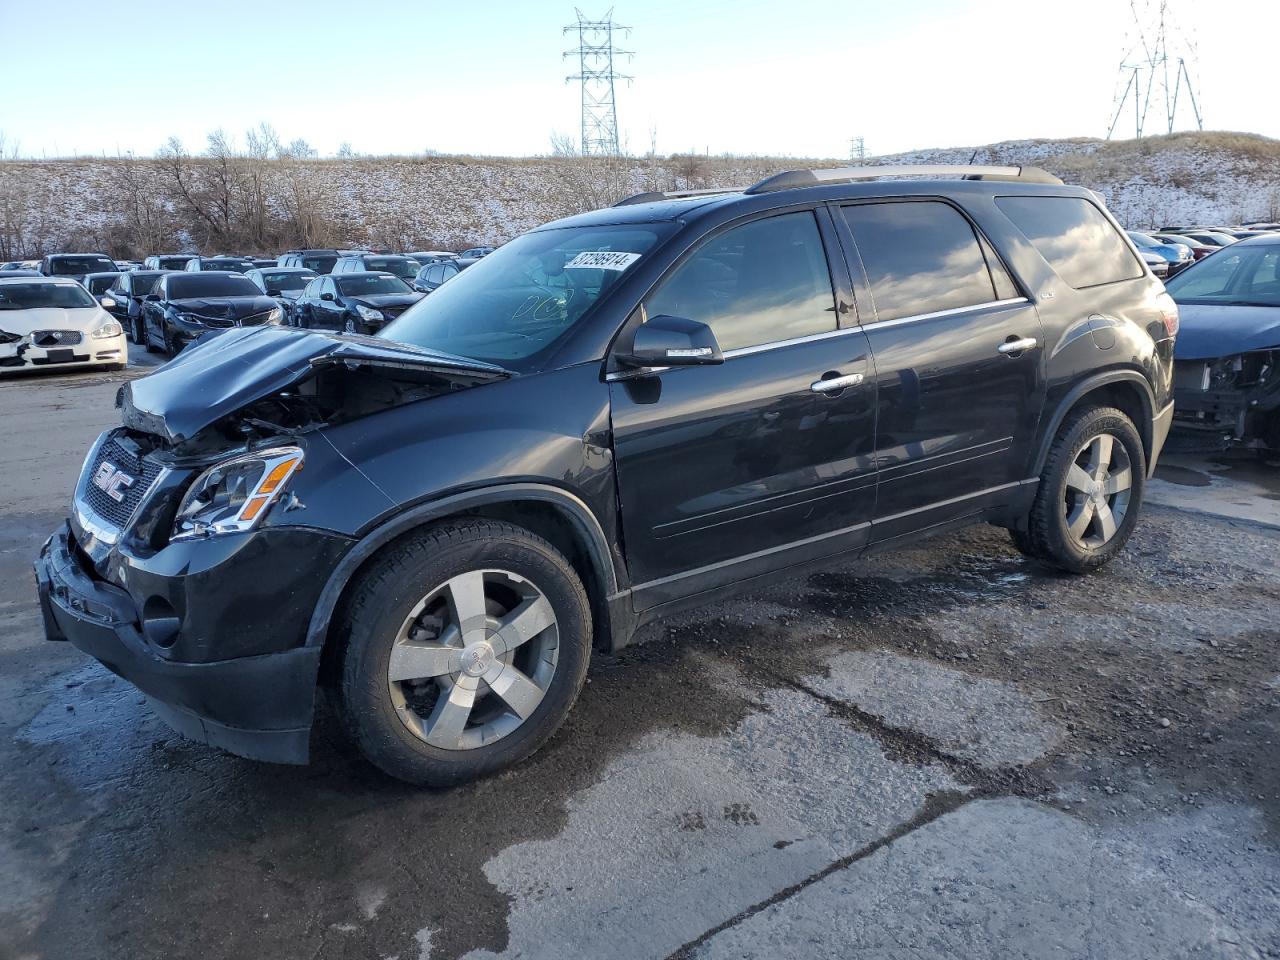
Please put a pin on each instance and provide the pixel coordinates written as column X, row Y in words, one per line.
column 1081, row 245
column 921, row 256
column 762, row 282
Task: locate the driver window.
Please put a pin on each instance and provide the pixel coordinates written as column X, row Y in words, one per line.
column 763, row 282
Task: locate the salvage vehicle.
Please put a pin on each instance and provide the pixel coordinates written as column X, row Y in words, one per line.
column 432, row 275
column 125, row 298
column 285, row 284
column 317, row 261
column 1178, row 255
column 182, row 307
column 99, row 283
column 406, row 268
column 76, row 265
column 353, row 302
column 1227, row 369
column 48, row 321
column 167, row 261
column 611, row 418
column 234, row 264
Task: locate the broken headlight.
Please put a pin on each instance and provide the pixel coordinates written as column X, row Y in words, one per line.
column 234, row 495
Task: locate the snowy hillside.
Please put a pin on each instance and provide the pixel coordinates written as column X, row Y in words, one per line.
column 124, row 205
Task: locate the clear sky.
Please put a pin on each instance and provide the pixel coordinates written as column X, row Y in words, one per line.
column 799, row 77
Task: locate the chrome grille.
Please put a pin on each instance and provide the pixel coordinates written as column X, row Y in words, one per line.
column 56, row 338
column 142, row 471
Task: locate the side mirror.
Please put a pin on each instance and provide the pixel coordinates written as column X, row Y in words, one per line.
column 107, row 302
column 327, row 296
column 666, row 341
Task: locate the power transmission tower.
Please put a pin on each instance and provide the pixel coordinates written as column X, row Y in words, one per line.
column 596, row 53
column 1156, row 55
column 857, row 150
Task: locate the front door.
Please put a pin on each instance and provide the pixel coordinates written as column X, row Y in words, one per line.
column 958, row 353
column 728, row 472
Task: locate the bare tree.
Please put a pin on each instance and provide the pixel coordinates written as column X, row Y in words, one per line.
column 344, row 151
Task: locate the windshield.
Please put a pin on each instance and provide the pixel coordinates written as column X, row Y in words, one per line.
column 75, row 266
column 1239, row 276
column 211, row 285
column 171, row 263
column 320, row 263
column 402, row 267
column 1142, row 240
column 286, row 281
column 518, row 302
column 239, row 266
column 102, row 284
column 28, row 296
column 372, row 286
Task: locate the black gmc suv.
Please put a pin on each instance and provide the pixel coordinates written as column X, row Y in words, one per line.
column 608, row 419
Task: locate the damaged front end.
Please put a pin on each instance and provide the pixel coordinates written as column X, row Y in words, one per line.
column 203, row 529
column 1234, row 400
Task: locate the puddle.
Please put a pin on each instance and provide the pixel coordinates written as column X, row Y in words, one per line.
column 1182, row 476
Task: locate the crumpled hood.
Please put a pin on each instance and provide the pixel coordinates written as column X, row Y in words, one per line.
column 1207, row 331
column 225, row 308
column 218, row 375
column 23, row 322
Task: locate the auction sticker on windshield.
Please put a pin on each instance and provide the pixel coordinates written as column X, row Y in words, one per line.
column 602, row 260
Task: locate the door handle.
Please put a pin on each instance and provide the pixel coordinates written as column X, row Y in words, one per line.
column 1017, row 346
column 836, row 383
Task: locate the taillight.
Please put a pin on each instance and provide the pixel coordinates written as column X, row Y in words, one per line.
column 1168, row 314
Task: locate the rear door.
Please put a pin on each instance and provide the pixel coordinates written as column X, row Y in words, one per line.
column 731, row 471
column 958, row 355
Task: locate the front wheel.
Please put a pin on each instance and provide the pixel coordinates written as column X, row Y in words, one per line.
column 1090, row 492
column 464, row 649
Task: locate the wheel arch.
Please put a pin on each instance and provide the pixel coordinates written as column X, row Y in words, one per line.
column 552, row 513
column 1127, row 390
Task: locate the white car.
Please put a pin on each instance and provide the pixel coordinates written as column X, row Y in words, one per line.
column 51, row 321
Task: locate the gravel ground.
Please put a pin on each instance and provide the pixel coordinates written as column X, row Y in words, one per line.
column 946, row 751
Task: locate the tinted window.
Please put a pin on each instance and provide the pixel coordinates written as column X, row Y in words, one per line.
column 26, row 296
column 921, row 256
column 1073, row 235
column 74, row 266
column 759, row 283
column 401, row 266
column 286, row 281
column 211, row 285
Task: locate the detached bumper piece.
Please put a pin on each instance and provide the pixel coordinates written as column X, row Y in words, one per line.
column 256, row 707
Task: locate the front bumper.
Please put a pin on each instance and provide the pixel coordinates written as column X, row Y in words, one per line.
column 90, row 352
column 258, row 707
column 1160, row 426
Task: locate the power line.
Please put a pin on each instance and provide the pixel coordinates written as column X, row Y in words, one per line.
column 1145, row 69
column 596, row 53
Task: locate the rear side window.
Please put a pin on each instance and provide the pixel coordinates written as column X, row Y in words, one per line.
column 921, row 256
column 1081, row 245
column 763, row 282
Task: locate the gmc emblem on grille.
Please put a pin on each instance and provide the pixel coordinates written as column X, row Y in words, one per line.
column 112, row 481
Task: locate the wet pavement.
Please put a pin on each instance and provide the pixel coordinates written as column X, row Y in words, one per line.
column 946, row 751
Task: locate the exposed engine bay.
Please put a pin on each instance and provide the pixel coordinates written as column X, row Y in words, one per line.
column 1235, row 399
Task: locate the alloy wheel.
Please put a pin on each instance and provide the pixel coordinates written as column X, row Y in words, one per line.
column 474, row 659
column 1099, row 484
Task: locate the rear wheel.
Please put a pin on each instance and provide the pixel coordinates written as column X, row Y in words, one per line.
column 465, row 648
column 1090, row 492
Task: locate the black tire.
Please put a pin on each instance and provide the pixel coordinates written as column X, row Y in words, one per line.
column 387, row 593
column 1047, row 536
column 136, row 332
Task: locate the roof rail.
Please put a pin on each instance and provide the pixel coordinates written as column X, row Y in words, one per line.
column 794, row 179
column 652, row 195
